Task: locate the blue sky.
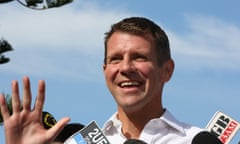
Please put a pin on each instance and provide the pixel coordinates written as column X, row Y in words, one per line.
column 64, row 46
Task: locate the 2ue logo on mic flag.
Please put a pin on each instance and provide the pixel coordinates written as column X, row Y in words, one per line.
column 223, row 126
column 91, row 134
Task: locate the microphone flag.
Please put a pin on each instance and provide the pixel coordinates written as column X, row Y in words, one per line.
column 90, row 134
column 223, row 126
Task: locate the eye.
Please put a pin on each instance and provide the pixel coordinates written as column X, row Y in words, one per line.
column 140, row 58
column 114, row 59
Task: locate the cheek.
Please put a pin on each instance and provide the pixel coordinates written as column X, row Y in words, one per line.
column 146, row 70
column 151, row 75
column 110, row 73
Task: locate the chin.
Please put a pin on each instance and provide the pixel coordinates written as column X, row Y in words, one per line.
column 132, row 108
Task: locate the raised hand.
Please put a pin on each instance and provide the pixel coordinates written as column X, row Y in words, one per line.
column 24, row 126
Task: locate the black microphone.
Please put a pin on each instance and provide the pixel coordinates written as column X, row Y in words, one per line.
column 76, row 133
column 68, row 131
column 5, row 1
column 49, row 121
column 206, row 137
column 134, row 141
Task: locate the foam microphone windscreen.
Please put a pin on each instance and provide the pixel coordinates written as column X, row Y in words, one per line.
column 134, row 141
column 206, row 137
column 48, row 120
column 68, row 131
column 5, row 1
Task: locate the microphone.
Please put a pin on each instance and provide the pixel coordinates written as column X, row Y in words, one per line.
column 223, row 127
column 68, row 131
column 5, row 1
column 90, row 134
column 220, row 130
column 49, row 121
column 206, row 137
column 134, row 141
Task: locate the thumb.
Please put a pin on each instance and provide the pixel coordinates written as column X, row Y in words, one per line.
column 53, row 132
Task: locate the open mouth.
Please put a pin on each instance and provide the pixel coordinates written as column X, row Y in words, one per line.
column 129, row 84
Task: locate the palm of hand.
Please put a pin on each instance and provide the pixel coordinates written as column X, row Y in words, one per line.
column 25, row 128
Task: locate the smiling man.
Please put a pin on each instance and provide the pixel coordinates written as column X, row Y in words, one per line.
column 137, row 65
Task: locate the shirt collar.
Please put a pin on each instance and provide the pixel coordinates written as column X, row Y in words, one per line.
column 170, row 120
column 112, row 122
column 166, row 120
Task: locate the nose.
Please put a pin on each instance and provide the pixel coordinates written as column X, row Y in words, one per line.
column 127, row 67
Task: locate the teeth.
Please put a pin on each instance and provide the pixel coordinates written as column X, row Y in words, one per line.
column 125, row 84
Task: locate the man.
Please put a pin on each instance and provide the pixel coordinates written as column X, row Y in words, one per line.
column 137, row 64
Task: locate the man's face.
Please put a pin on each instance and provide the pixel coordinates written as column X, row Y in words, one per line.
column 131, row 71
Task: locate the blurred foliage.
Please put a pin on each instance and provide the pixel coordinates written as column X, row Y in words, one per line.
column 5, row 46
column 8, row 100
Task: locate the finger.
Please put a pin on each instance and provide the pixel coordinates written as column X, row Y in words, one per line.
column 57, row 128
column 38, row 107
column 16, row 105
column 3, row 106
column 27, row 97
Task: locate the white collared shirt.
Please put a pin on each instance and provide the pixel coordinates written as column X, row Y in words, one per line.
column 163, row 130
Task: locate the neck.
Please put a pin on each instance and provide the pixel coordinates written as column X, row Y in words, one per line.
column 133, row 122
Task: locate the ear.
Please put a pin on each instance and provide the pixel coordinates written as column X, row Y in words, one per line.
column 167, row 70
column 104, row 67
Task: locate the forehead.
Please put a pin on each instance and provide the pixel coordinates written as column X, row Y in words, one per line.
column 121, row 41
